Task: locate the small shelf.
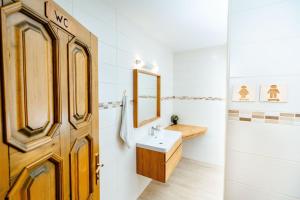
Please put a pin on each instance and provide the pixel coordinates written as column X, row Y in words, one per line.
column 188, row 131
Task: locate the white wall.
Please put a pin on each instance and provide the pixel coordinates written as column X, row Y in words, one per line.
column 263, row 161
column 119, row 42
column 202, row 73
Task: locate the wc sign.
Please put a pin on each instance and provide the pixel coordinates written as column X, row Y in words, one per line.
column 61, row 19
column 58, row 16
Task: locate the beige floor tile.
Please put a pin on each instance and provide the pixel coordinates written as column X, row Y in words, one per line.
column 190, row 181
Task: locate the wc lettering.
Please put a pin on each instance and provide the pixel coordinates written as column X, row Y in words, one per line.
column 61, row 19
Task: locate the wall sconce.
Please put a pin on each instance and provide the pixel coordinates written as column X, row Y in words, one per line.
column 155, row 67
column 140, row 64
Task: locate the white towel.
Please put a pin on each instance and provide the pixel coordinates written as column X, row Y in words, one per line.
column 125, row 134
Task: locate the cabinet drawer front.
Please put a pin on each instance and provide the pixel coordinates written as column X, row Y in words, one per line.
column 173, row 161
column 170, row 153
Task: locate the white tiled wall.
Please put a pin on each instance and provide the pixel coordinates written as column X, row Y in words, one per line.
column 120, row 41
column 202, row 73
column 263, row 161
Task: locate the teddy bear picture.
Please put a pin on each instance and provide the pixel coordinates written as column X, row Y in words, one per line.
column 243, row 93
column 275, row 93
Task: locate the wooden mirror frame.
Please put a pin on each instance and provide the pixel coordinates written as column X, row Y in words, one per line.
column 136, row 122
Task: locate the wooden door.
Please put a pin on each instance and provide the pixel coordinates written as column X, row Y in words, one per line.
column 49, row 104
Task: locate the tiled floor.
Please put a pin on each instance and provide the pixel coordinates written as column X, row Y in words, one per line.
column 190, row 181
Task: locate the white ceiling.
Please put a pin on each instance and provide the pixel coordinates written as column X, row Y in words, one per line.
column 180, row 24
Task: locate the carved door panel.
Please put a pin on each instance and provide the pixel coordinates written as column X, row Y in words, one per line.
column 31, row 104
column 40, row 180
column 30, row 78
column 84, row 168
column 49, row 105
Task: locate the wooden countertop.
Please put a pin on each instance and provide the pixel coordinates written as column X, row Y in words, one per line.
column 188, row 131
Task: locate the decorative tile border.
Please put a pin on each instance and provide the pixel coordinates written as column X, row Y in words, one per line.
column 115, row 104
column 147, row 97
column 109, row 105
column 198, row 98
column 167, row 98
column 264, row 117
column 184, row 98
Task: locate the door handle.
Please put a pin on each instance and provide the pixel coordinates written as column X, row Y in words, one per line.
column 98, row 168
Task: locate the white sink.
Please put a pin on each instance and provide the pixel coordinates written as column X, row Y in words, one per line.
column 162, row 142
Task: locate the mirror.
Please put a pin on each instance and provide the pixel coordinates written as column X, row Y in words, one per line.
column 146, row 97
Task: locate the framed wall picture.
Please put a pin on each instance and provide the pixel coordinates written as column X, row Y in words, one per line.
column 244, row 93
column 275, row 93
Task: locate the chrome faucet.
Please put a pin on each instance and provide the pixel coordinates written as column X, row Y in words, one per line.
column 154, row 129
